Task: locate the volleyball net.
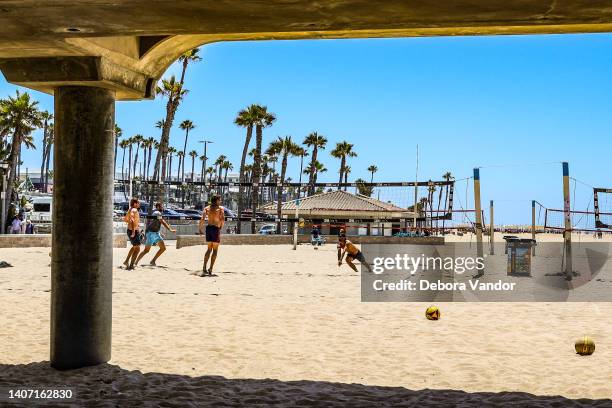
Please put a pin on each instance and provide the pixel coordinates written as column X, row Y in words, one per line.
column 378, row 208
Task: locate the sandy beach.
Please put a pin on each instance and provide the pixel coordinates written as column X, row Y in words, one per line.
column 287, row 328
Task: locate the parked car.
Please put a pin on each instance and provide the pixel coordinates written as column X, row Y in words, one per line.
column 248, row 214
column 173, row 215
column 190, row 214
column 229, row 213
column 124, row 207
column 268, row 229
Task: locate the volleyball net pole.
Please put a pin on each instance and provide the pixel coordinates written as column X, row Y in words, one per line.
column 491, row 230
column 478, row 223
column 533, row 225
column 567, row 232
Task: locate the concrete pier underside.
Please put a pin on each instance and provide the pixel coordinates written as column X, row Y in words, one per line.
column 89, row 52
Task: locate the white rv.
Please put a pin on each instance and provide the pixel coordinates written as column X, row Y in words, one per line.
column 41, row 211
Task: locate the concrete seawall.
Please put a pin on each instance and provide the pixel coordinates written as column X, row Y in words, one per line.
column 44, row 240
column 257, row 239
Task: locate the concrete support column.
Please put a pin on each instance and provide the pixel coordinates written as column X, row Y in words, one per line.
column 81, row 273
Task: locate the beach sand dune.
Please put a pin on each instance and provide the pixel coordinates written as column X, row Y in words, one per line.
column 287, row 328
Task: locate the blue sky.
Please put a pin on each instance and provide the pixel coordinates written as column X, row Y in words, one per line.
column 520, row 103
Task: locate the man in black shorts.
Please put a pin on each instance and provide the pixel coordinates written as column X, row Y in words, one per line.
column 214, row 215
column 132, row 218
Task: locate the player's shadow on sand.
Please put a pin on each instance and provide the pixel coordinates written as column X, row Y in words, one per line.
column 110, row 385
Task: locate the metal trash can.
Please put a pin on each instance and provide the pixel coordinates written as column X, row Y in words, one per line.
column 519, row 255
column 508, row 238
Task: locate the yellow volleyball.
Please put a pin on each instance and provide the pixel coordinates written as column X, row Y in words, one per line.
column 585, row 346
column 432, row 313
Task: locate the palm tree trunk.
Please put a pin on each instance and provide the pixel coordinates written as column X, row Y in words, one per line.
column 192, row 169
column 123, row 173
column 114, row 157
column 184, row 153
column 13, row 162
column 48, row 159
column 44, row 153
column 342, row 164
column 256, row 172
column 279, row 194
column 136, row 159
column 313, row 170
column 438, row 210
column 241, row 176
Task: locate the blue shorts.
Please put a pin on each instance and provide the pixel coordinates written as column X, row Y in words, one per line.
column 152, row 238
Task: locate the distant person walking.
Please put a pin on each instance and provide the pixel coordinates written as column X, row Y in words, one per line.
column 16, row 224
column 29, row 228
column 153, row 234
column 132, row 218
column 214, row 217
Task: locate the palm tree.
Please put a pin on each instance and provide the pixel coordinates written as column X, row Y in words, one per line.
column 124, row 144
column 447, row 177
column 171, row 152
column 145, row 153
column 283, row 147
column 347, row 170
column 186, row 58
column 264, row 119
column 46, row 117
column 131, row 144
column 248, row 171
column 342, row 151
column 19, row 116
column 193, row 154
column 316, row 141
column 363, row 189
column 151, row 144
column 246, row 118
column 227, row 166
column 118, row 133
column 220, row 160
column 301, row 152
column 180, row 156
column 137, row 139
column 175, row 92
column 50, row 141
column 185, row 125
column 372, row 169
column 203, row 159
column 210, row 171
column 319, row 168
column 431, row 189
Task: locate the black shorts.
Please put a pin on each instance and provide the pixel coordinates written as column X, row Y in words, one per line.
column 134, row 240
column 213, row 233
column 358, row 256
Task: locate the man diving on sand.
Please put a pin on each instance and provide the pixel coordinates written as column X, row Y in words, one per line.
column 347, row 247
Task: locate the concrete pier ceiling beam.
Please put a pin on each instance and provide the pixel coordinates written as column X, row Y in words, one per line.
column 131, row 42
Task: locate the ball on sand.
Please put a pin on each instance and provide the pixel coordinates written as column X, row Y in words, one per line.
column 585, row 346
column 432, row 313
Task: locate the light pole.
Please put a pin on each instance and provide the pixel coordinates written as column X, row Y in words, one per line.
column 3, row 167
column 206, row 142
